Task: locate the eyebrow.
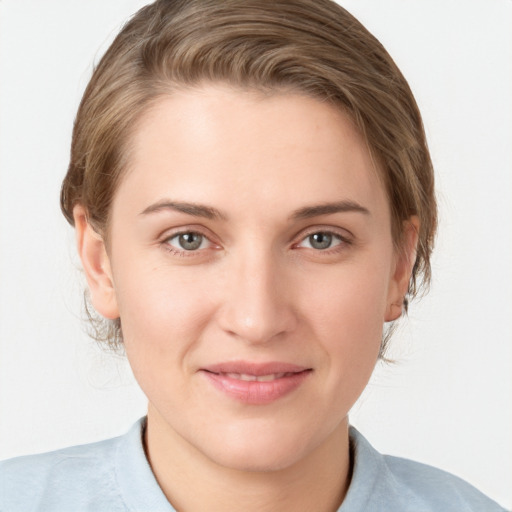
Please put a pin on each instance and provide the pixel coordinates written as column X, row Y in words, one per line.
column 194, row 209
column 208, row 212
column 329, row 208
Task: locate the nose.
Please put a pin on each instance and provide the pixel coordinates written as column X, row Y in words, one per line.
column 257, row 300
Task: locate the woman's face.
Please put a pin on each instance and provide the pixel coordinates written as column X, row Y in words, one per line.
column 252, row 265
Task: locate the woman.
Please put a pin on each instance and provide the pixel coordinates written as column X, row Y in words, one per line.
column 253, row 200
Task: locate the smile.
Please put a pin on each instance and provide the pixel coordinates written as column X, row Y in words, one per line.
column 258, row 378
column 255, row 384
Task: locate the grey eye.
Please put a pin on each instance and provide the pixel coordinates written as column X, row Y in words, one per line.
column 188, row 241
column 320, row 240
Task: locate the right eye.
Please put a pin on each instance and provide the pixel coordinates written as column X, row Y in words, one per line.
column 188, row 241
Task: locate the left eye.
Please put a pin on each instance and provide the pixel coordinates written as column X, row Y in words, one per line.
column 189, row 241
column 321, row 241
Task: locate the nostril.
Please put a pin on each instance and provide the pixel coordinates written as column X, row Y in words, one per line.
column 256, row 308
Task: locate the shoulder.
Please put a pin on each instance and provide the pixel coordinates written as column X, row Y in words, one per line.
column 44, row 481
column 111, row 475
column 436, row 488
column 383, row 482
column 107, row 476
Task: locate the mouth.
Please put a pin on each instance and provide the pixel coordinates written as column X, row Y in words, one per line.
column 258, row 378
column 256, row 383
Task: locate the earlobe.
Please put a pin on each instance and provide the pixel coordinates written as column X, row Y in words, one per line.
column 96, row 264
column 405, row 259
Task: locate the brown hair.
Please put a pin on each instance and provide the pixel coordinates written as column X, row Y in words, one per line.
column 314, row 47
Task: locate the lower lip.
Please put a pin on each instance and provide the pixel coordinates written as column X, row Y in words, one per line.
column 256, row 392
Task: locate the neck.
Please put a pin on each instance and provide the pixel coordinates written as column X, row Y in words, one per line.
column 193, row 482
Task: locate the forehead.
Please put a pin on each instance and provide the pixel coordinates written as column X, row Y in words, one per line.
column 285, row 149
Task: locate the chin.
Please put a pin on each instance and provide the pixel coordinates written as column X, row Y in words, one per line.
column 263, row 459
column 260, row 448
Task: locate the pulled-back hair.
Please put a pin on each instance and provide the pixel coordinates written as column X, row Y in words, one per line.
column 312, row 47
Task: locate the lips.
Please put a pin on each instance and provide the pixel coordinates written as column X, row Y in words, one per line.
column 257, row 378
column 255, row 383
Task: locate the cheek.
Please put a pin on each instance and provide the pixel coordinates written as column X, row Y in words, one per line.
column 163, row 315
column 347, row 315
column 161, row 308
column 355, row 295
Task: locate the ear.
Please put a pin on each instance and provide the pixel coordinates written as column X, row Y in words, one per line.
column 404, row 263
column 96, row 264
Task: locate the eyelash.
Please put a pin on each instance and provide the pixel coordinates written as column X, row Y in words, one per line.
column 183, row 252
column 343, row 242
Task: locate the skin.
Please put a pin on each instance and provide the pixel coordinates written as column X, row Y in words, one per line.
column 257, row 289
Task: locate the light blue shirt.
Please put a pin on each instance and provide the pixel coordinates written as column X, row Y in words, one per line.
column 115, row 476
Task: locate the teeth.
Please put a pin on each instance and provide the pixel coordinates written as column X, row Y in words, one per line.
column 255, row 378
column 273, row 376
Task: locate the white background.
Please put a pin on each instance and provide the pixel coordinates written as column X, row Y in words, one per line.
column 447, row 401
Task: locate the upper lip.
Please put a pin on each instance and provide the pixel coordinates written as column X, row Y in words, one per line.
column 253, row 368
